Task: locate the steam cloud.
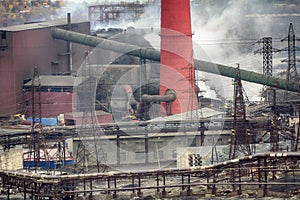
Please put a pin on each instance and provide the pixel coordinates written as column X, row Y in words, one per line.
column 227, row 31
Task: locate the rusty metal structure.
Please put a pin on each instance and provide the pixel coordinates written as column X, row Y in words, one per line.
column 241, row 138
column 256, row 176
column 37, row 145
column 111, row 12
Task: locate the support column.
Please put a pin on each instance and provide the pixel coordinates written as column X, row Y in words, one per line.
column 146, row 148
column 118, row 149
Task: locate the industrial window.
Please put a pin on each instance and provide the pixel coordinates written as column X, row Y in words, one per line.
column 44, row 89
column 55, row 89
column 3, row 35
column 67, row 89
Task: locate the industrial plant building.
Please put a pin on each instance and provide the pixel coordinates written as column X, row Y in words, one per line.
column 105, row 115
column 30, row 46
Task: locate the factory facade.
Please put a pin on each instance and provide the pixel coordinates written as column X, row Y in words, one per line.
column 29, row 46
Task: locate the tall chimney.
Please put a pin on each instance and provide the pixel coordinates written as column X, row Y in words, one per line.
column 177, row 63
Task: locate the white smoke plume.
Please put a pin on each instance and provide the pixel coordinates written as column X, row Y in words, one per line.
column 226, row 31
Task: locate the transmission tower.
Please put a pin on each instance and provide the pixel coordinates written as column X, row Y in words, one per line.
column 240, row 139
column 266, row 51
column 193, row 93
column 37, row 146
column 267, row 62
column 88, row 129
column 291, row 74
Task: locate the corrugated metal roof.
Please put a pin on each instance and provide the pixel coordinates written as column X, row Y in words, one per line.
column 56, row 81
column 38, row 25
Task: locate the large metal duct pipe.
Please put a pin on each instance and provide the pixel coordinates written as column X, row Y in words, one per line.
column 168, row 97
column 147, row 94
column 152, row 54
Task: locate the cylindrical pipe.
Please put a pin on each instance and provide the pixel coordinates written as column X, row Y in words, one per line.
column 152, row 54
column 69, row 45
column 145, row 53
column 168, row 97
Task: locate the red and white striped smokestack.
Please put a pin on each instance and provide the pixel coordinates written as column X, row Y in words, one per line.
column 177, row 62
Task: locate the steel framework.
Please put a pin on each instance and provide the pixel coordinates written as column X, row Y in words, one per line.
column 106, row 13
column 267, row 52
column 37, row 145
column 257, row 175
column 87, row 94
column 291, row 74
column 240, row 140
